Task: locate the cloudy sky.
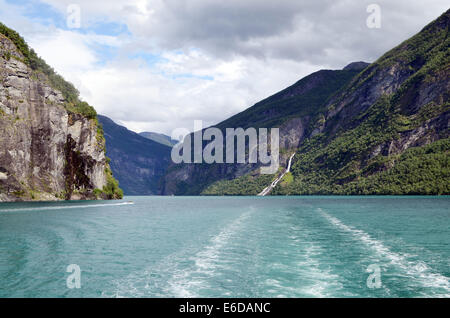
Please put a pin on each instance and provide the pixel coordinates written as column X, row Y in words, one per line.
column 155, row 65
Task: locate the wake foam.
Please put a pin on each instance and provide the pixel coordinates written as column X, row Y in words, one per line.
column 315, row 279
column 65, row 207
column 173, row 277
column 185, row 283
column 415, row 270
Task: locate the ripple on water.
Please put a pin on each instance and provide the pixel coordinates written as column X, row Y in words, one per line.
column 435, row 284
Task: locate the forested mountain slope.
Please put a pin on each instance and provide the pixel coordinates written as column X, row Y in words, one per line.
column 387, row 132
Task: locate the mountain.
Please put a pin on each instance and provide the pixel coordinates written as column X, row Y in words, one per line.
column 160, row 138
column 388, row 132
column 137, row 162
column 292, row 110
column 51, row 146
column 381, row 128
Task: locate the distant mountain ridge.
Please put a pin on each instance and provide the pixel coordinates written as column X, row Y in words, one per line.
column 137, row 162
column 160, row 138
column 357, row 66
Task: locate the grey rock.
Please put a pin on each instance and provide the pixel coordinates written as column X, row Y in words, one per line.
column 35, row 130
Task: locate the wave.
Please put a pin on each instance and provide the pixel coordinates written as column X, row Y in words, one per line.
column 310, row 275
column 206, row 261
column 325, row 282
column 315, row 281
column 180, row 274
column 46, row 208
column 416, row 270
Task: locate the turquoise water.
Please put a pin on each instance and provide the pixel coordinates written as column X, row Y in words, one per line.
column 227, row 247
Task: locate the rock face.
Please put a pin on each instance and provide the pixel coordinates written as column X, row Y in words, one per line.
column 293, row 110
column 388, row 131
column 46, row 152
column 385, row 130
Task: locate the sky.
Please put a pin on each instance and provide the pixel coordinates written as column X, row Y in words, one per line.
column 158, row 65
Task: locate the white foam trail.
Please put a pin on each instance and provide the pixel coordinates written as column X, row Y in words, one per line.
column 316, row 280
column 324, row 280
column 66, row 207
column 420, row 271
column 319, row 283
column 182, row 284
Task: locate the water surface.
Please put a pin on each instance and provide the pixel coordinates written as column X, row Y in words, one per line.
column 227, row 247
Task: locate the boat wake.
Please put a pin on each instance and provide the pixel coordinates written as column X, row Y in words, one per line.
column 183, row 274
column 47, row 208
column 416, row 271
column 312, row 277
column 188, row 282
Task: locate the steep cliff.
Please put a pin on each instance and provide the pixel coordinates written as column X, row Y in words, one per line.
column 51, row 147
column 388, row 131
column 383, row 131
column 293, row 110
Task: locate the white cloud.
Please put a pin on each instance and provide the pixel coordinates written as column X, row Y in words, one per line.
column 212, row 59
column 67, row 51
column 145, row 99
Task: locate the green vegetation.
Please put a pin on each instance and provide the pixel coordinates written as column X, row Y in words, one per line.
column 362, row 150
column 419, row 170
column 317, row 89
column 307, row 98
column 38, row 65
column 101, row 142
column 131, row 155
column 7, row 55
column 19, row 193
column 73, row 104
column 430, row 46
column 111, row 189
column 245, row 185
column 287, row 179
column 347, row 163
